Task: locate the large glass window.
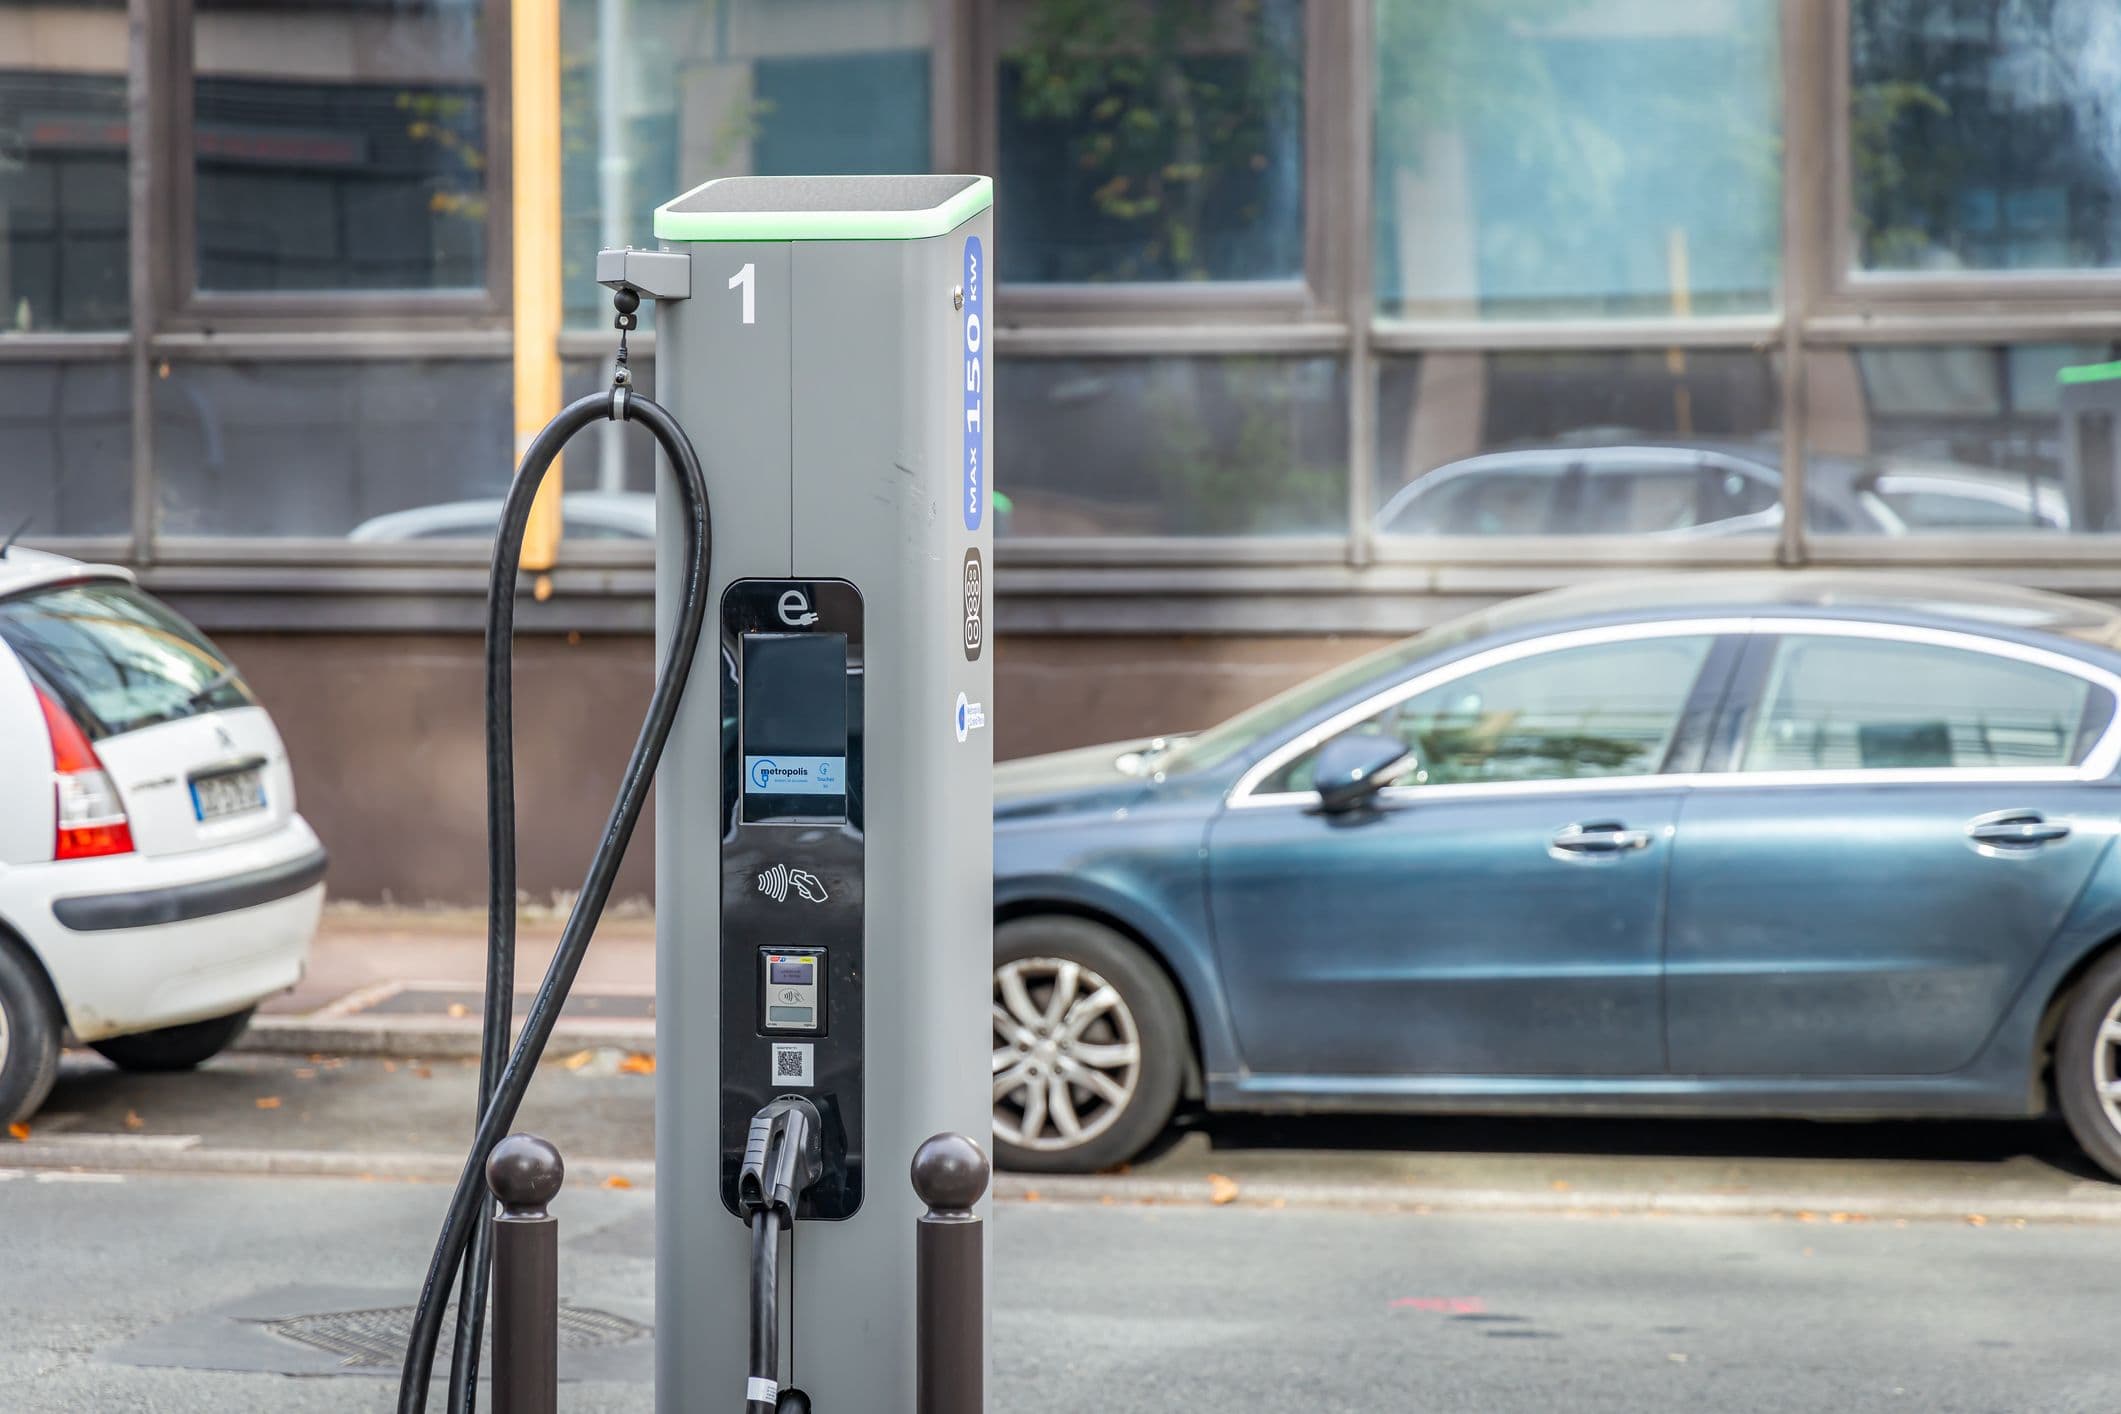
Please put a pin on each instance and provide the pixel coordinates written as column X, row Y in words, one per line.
column 1846, row 704
column 1171, row 446
column 64, row 222
column 340, row 145
column 1577, row 158
column 1151, row 141
column 66, row 454
column 334, row 449
column 1672, row 443
column 717, row 88
column 1983, row 135
column 1609, row 709
column 1962, row 438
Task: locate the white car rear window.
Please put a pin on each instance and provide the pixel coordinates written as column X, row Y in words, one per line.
column 116, row 658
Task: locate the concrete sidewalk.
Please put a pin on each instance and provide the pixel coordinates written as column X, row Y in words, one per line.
column 408, row 982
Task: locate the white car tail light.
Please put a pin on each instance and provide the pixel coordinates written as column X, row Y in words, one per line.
column 90, row 819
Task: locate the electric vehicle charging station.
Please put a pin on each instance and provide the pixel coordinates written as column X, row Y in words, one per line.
column 835, row 339
column 824, row 832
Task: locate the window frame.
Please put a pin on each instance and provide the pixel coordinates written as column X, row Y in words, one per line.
column 1295, row 308
column 183, row 307
column 1851, row 291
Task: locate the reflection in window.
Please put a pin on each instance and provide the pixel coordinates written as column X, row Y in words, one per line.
column 64, row 219
column 66, row 451
column 1645, row 442
column 330, row 449
column 1982, row 135
column 1611, row 709
column 730, row 88
column 1847, row 704
column 340, row 145
column 1158, row 141
column 1562, row 158
column 1967, row 438
column 1172, row 446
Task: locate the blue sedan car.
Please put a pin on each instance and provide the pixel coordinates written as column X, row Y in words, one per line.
column 1802, row 844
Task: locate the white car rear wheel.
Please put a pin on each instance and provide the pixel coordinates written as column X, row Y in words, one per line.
column 29, row 1037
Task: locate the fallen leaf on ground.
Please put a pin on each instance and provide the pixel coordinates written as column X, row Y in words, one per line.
column 578, row 1060
column 305, row 1073
column 424, row 1072
column 637, row 1063
column 19, row 1133
column 618, row 1180
column 1559, row 1185
column 1221, row 1190
column 133, row 1120
column 1030, row 1195
column 391, row 1066
column 1976, row 1220
column 267, row 1102
column 458, row 1009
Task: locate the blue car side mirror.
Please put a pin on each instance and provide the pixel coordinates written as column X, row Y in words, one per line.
column 1355, row 766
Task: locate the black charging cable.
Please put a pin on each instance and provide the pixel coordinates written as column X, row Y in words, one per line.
column 782, row 1159
column 465, row 1242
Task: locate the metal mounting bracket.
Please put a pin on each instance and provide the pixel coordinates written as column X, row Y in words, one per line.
column 657, row 274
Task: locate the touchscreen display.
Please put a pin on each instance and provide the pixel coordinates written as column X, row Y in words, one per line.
column 795, row 726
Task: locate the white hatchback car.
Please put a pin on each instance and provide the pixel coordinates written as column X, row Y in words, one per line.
column 155, row 880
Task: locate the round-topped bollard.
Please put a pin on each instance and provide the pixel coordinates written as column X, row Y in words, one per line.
column 525, row 1173
column 950, row 1173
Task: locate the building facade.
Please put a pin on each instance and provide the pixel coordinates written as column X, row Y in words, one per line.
column 1319, row 321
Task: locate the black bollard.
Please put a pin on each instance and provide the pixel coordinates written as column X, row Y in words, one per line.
column 950, row 1175
column 525, row 1173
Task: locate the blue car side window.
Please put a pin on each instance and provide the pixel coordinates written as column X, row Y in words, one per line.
column 1607, row 709
column 1865, row 704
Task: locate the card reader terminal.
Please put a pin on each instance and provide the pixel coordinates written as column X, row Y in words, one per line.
column 793, row 990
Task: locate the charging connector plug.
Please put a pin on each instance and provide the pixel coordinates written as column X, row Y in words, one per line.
column 782, row 1158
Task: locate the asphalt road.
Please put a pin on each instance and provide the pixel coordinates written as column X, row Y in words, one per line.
column 324, row 1115
column 1127, row 1308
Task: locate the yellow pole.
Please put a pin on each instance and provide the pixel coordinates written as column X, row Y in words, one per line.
column 1681, row 275
column 535, row 104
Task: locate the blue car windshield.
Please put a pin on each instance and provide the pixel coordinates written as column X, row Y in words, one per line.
column 1272, row 718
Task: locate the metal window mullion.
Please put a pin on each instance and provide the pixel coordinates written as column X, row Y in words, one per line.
column 1808, row 242
column 144, row 133
column 1354, row 243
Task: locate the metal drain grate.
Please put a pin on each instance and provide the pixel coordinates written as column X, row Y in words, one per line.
column 366, row 1339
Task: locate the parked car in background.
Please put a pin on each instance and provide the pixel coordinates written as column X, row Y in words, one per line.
column 590, row 515
column 1708, row 489
column 1802, row 844
column 155, row 880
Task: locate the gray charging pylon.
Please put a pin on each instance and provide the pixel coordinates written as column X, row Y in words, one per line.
column 824, row 808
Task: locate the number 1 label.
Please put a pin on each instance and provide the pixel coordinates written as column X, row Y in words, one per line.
column 746, row 279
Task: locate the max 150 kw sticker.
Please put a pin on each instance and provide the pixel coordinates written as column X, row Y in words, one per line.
column 975, row 493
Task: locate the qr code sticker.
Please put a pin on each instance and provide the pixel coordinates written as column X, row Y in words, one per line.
column 791, row 1064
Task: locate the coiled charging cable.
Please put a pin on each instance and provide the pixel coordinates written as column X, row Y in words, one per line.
column 465, row 1244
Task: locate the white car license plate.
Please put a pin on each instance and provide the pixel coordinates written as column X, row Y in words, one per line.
column 230, row 793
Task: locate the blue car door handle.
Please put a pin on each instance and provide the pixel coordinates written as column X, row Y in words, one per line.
column 1598, row 838
column 2015, row 830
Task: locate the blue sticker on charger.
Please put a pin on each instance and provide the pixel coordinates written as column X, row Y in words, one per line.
column 975, row 497
column 795, row 775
